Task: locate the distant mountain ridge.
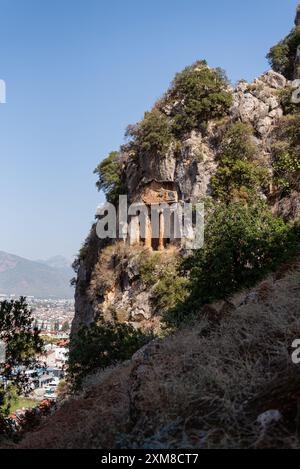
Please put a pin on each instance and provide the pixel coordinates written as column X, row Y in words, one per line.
column 57, row 262
column 42, row 279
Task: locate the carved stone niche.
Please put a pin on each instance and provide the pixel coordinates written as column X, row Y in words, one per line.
column 158, row 193
column 155, row 194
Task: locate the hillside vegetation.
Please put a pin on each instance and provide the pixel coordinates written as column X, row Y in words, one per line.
column 203, row 387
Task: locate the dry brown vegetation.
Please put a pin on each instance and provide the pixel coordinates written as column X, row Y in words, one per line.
column 203, row 387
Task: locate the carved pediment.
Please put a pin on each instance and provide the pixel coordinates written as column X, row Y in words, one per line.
column 157, row 193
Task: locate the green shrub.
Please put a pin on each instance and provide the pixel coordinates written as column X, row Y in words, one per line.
column 170, row 289
column 286, row 155
column 102, row 345
column 151, row 135
column 149, row 265
column 283, row 55
column 200, row 94
column 241, row 245
column 238, row 143
column 239, row 175
column 109, row 173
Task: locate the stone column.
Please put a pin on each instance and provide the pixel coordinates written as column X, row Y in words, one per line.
column 161, row 232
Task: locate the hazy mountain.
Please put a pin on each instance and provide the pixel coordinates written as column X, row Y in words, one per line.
column 57, row 262
column 43, row 279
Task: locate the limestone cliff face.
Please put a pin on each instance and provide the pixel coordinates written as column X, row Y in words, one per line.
column 191, row 167
column 110, row 283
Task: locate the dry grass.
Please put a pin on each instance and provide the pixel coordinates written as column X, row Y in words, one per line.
column 203, row 387
column 90, row 421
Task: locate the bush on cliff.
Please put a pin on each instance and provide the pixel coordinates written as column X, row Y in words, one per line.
column 109, row 173
column 197, row 95
column 286, row 155
column 200, row 94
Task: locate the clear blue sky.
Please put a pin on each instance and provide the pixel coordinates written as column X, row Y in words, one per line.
column 78, row 72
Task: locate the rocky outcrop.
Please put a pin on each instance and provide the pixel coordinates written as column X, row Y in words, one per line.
column 191, row 166
column 185, row 171
column 297, row 19
column 195, row 166
column 297, row 65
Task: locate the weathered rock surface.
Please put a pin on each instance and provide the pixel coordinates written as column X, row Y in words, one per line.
column 195, row 166
column 259, row 103
column 288, row 207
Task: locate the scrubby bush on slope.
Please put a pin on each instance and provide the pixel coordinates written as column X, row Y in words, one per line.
column 239, row 174
column 102, row 345
column 196, row 95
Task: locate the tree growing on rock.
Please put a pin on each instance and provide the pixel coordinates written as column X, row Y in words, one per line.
column 284, row 56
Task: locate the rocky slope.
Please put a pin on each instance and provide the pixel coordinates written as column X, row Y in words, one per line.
column 230, row 383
